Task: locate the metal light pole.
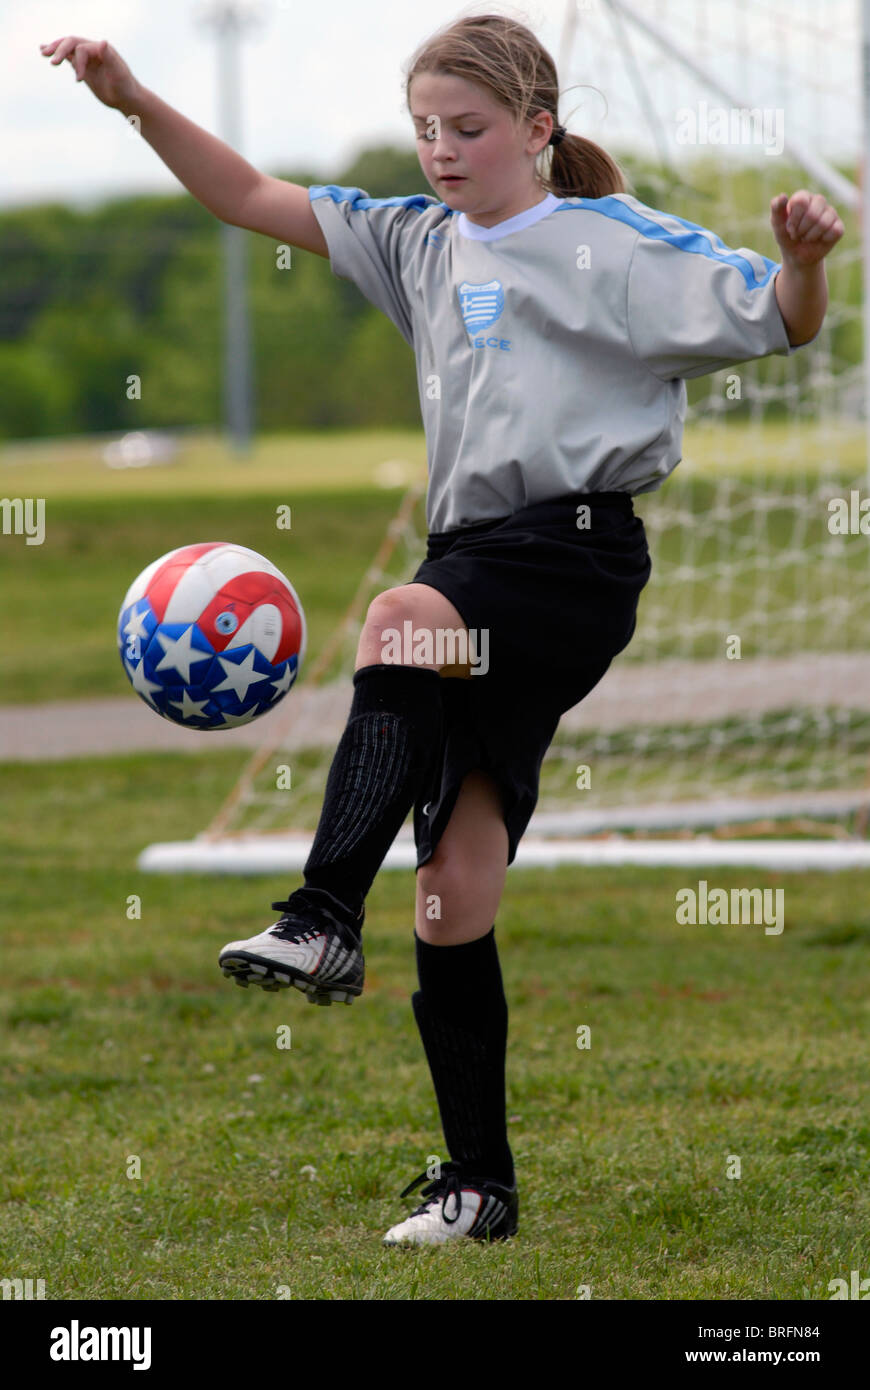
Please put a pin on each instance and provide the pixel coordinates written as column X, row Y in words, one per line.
column 229, row 18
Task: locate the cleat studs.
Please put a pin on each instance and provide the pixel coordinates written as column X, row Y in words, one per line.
column 240, row 980
column 258, row 969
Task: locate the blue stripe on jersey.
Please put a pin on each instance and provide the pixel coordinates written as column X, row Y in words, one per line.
column 684, row 241
column 360, row 202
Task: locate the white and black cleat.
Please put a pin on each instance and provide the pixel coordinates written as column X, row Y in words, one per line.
column 454, row 1206
column 313, row 947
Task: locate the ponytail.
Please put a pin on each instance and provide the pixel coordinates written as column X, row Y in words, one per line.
column 581, row 169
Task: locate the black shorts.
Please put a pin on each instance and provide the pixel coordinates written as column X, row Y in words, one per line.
column 558, row 601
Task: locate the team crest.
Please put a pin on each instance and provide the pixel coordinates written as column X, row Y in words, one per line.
column 481, row 304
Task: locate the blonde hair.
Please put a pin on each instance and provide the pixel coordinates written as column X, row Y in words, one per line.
column 507, row 59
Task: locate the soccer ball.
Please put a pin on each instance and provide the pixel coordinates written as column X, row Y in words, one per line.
column 211, row 636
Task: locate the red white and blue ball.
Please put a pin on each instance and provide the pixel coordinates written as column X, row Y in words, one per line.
column 211, row 636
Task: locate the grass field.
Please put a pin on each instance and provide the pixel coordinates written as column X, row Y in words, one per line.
column 265, row 1169
column 122, row 1039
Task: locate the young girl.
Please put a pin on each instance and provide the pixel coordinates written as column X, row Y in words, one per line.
column 554, row 318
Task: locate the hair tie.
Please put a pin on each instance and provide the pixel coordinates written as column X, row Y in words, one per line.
column 559, row 133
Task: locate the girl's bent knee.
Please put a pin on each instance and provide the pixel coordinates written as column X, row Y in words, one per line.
column 451, row 877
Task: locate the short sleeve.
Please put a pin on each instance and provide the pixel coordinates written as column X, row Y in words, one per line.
column 368, row 243
column 695, row 305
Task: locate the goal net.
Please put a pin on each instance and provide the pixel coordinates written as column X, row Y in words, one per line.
column 736, row 725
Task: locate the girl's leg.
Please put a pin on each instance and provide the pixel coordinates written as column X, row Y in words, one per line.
column 460, row 888
column 425, row 607
column 390, row 745
column 392, row 734
column 460, row 1008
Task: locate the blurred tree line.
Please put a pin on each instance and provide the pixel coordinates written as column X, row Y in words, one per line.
column 135, row 287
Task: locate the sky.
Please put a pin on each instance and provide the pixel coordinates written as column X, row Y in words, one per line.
column 322, row 81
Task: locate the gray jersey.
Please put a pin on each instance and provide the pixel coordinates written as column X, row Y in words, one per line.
column 552, row 348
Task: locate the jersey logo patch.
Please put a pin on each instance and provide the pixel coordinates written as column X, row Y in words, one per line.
column 481, row 304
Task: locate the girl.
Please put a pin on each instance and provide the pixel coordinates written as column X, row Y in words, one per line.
column 554, row 318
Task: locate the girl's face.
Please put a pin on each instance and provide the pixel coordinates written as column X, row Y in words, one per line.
column 477, row 161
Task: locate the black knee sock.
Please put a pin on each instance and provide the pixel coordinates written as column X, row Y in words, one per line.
column 462, row 1014
column 392, row 735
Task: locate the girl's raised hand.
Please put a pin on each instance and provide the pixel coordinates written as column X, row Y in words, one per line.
column 805, row 225
column 98, row 64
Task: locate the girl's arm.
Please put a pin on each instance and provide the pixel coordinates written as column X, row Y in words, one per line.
column 212, row 171
column 806, row 227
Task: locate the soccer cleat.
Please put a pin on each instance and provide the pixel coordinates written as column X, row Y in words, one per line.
column 313, row 947
column 455, row 1206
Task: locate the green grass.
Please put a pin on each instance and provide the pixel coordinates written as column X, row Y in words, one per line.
column 64, row 596
column 279, row 466
column 787, row 448
column 825, row 749
column 122, row 1038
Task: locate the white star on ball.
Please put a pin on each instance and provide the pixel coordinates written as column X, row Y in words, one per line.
column 135, row 624
column 140, row 682
column 179, row 654
column 190, row 709
column 231, row 721
column 284, row 683
column 239, row 675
